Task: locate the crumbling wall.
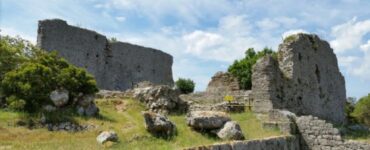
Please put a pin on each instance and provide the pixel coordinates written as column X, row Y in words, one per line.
column 305, row 79
column 116, row 66
column 221, row 84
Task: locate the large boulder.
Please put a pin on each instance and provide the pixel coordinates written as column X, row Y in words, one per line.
column 107, row 136
column 86, row 106
column 231, row 131
column 161, row 98
column 59, row 97
column 158, row 124
column 207, row 120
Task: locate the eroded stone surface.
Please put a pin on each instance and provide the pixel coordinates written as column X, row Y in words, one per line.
column 207, row 120
column 305, row 79
column 231, row 131
column 158, row 124
column 115, row 66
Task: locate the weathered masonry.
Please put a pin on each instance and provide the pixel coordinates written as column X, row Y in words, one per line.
column 304, row 79
column 115, row 65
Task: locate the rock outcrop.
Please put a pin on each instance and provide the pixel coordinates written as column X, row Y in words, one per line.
column 231, row 131
column 59, row 97
column 207, row 120
column 158, row 124
column 161, row 99
column 115, row 65
column 107, row 136
column 305, row 79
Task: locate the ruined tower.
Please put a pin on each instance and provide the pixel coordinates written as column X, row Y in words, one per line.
column 305, row 79
column 116, row 65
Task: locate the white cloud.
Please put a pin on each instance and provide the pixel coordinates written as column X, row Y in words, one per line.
column 291, row 32
column 120, row 18
column 268, row 24
column 349, row 35
column 366, row 47
column 199, row 42
column 13, row 33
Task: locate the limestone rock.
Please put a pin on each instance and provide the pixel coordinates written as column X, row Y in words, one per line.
column 110, row 94
column 161, row 98
column 305, row 79
column 86, row 100
column 107, row 136
column 158, row 124
column 59, row 97
column 231, row 131
column 223, row 82
column 207, row 120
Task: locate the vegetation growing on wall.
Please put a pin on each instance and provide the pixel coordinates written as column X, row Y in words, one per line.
column 242, row 69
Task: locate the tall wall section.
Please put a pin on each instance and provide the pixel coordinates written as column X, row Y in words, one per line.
column 116, row 66
column 305, row 79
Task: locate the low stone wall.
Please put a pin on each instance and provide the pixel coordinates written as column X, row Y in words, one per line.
column 278, row 143
column 241, row 96
column 318, row 134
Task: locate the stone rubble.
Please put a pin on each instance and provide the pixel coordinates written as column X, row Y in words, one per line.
column 158, row 124
column 107, row 136
column 231, row 131
column 59, row 97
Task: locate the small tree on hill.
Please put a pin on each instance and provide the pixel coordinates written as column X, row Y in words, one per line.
column 362, row 110
column 186, row 86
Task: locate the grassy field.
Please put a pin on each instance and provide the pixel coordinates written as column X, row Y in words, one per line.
column 128, row 124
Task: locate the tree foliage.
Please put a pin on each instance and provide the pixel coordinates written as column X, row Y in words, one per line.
column 185, row 85
column 242, row 69
column 362, row 110
column 34, row 74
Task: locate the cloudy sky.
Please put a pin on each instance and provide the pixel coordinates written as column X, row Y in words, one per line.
column 205, row 36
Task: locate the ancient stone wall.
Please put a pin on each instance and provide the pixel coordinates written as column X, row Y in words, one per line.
column 116, row 66
column 221, row 84
column 318, row 134
column 305, row 79
column 278, row 143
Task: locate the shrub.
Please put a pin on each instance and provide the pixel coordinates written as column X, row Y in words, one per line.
column 362, row 110
column 242, row 69
column 15, row 103
column 34, row 80
column 185, row 85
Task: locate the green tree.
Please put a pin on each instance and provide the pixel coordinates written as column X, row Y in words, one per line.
column 362, row 110
column 242, row 69
column 29, row 75
column 185, row 85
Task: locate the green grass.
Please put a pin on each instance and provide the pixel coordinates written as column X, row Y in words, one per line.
column 358, row 136
column 129, row 125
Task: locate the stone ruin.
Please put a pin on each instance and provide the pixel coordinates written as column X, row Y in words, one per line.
column 115, row 65
column 221, row 84
column 304, row 79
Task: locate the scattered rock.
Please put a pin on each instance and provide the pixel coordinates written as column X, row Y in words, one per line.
column 86, row 100
column 107, row 136
column 59, row 97
column 69, row 127
column 231, row 131
column 49, row 108
column 161, row 99
column 207, row 120
column 224, row 106
column 158, row 124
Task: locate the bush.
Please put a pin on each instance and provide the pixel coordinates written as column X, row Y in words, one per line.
column 362, row 110
column 242, row 69
column 186, row 86
column 35, row 79
column 15, row 103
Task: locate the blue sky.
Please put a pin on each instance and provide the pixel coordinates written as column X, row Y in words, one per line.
column 205, row 36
